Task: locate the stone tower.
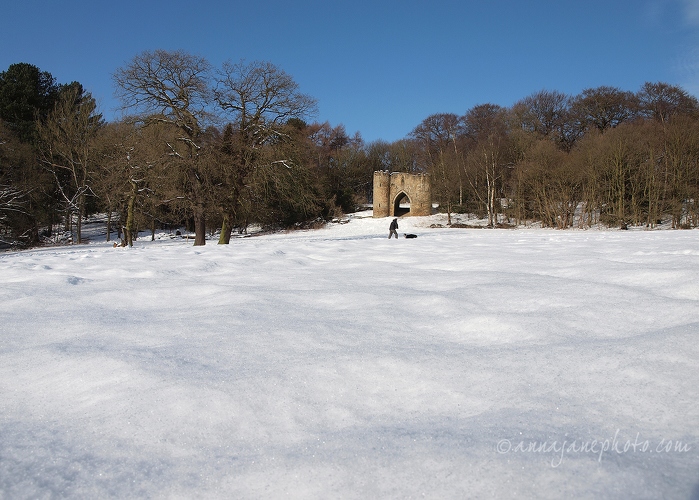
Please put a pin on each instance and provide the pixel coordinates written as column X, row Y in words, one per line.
column 392, row 189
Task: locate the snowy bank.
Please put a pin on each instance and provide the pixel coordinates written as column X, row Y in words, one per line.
column 338, row 363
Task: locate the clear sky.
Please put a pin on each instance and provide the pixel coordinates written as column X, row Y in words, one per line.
column 378, row 67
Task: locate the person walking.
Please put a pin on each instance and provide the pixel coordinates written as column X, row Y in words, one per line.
column 393, row 229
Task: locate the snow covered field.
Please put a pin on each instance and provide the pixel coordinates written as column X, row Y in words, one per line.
column 338, row 364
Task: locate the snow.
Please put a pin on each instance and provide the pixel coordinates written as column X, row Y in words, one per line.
column 335, row 363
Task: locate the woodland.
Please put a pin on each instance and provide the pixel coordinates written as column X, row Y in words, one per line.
column 217, row 149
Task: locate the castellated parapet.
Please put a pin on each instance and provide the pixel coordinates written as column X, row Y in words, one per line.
column 391, row 188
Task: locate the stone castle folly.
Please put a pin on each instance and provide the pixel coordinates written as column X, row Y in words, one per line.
column 398, row 193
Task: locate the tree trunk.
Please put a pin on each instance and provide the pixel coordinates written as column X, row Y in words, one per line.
column 226, row 230
column 199, row 225
column 490, row 187
column 68, row 227
column 81, row 212
column 129, row 229
column 130, row 217
column 109, row 223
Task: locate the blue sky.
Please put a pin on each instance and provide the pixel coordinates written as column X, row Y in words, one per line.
column 378, row 67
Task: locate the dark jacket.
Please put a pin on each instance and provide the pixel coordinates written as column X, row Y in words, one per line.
column 394, row 225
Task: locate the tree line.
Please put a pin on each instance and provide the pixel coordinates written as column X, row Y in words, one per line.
column 219, row 148
column 605, row 156
column 213, row 149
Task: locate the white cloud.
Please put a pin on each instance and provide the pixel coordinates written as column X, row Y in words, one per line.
column 690, row 62
column 655, row 12
column 690, row 10
column 687, row 69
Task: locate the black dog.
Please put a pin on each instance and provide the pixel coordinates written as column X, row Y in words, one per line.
column 411, row 235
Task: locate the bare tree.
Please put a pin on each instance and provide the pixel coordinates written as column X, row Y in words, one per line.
column 131, row 159
column 661, row 101
column 680, row 166
column 172, row 89
column 604, row 107
column 544, row 113
column 436, row 137
column 258, row 99
column 66, row 142
column 552, row 184
column 12, row 203
column 486, row 131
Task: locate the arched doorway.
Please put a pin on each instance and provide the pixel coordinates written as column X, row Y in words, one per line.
column 401, row 205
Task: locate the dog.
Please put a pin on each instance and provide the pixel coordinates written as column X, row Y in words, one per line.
column 411, row 235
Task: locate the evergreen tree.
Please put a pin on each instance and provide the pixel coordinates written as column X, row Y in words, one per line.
column 26, row 94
